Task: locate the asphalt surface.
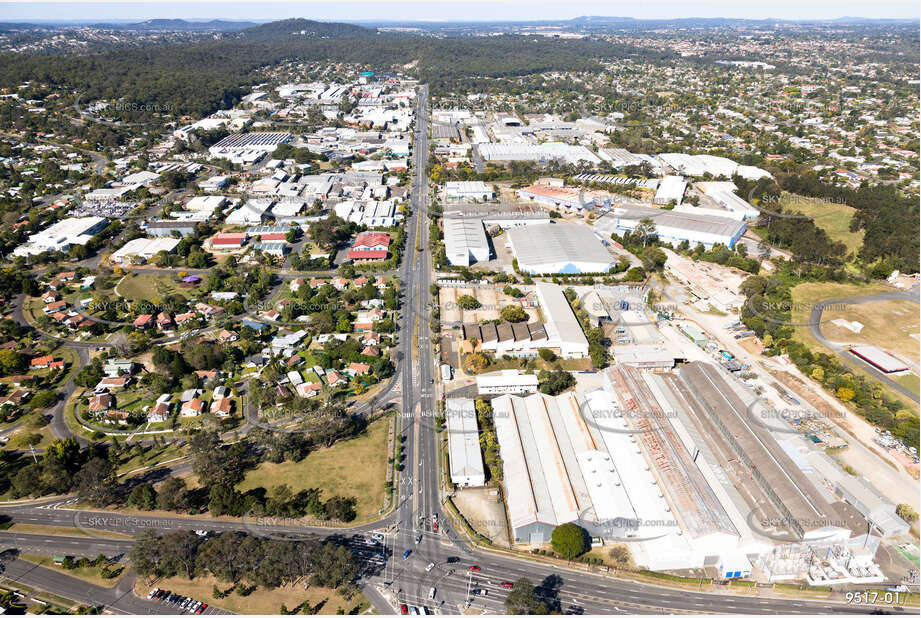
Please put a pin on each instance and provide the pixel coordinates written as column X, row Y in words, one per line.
column 815, row 328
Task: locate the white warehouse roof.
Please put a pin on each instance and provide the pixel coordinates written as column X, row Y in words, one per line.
column 559, row 248
column 562, row 326
column 464, row 442
column 465, row 241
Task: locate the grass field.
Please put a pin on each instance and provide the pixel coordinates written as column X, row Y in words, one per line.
column 150, row 287
column 63, row 531
column 888, row 324
column 834, row 218
column 261, row 601
column 88, row 574
column 805, row 295
column 353, row 468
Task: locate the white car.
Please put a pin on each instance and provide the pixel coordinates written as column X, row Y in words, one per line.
column 430, row 567
column 432, row 592
column 151, row 594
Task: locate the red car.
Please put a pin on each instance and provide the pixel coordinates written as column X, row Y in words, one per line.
column 475, row 568
column 506, row 584
column 203, row 607
column 435, row 526
column 403, row 609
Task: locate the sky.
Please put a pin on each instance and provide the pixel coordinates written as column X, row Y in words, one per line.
column 450, row 10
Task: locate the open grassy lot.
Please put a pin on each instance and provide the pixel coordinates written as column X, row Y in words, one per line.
column 834, row 218
column 63, row 531
column 261, row 601
column 806, row 295
column 888, row 324
column 352, row 468
column 89, row 574
column 150, row 287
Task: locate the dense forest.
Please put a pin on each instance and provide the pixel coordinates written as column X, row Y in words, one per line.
column 198, row 78
column 888, row 217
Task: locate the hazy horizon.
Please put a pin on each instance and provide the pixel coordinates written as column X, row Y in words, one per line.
column 445, row 11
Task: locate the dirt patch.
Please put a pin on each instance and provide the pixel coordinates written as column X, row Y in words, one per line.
column 484, row 512
column 752, row 345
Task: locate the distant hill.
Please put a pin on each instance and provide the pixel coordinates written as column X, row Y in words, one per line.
column 215, row 25
column 298, row 27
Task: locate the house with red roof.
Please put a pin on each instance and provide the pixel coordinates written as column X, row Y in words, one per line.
column 143, row 321
column 358, row 369
column 192, row 407
column 369, row 247
column 164, row 320
column 41, row 362
column 227, row 241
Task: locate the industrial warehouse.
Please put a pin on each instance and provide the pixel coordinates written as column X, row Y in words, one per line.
column 559, row 248
column 674, row 465
column 674, row 227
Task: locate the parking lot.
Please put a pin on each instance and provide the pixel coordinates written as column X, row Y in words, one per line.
column 181, row 604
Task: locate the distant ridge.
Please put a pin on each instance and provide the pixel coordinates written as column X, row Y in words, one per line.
column 299, row 27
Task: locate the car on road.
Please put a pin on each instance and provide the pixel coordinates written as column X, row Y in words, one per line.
column 404, row 609
column 480, row 592
column 452, row 559
column 201, row 533
column 506, row 584
column 418, row 539
column 475, row 568
column 430, row 566
column 406, row 553
column 432, row 592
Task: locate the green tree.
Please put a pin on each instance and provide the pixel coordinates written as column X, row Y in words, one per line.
column 513, row 313
column 570, row 540
column 468, row 302
column 522, row 599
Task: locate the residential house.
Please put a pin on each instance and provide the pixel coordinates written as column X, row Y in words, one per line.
column 193, row 407
column 143, row 321
column 308, row 389
column 358, row 369
column 101, row 402
column 222, row 407
column 334, row 379
column 41, row 362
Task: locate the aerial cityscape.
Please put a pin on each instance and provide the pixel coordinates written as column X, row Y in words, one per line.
column 460, row 309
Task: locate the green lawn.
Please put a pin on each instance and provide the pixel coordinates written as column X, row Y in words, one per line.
column 90, row 574
column 834, row 218
column 150, row 287
column 353, row 468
